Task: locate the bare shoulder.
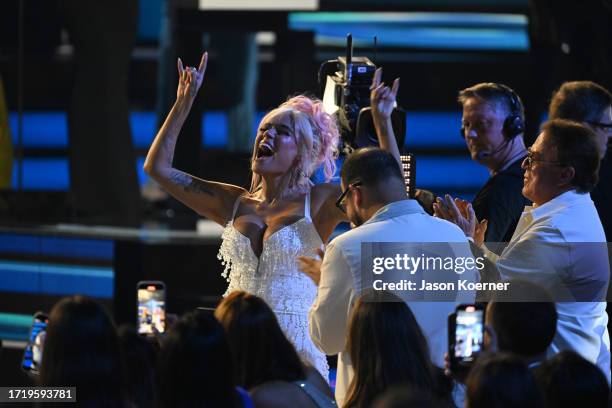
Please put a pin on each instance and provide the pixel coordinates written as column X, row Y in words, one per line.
column 326, row 188
column 226, row 194
column 323, row 194
column 325, row 215
column 211, row 199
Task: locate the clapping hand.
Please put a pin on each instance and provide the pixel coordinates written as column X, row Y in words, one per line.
column 461, row 213
column 190, row 79
column 426, row 198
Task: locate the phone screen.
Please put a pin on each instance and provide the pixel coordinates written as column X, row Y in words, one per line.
column 151, row 308
column 469, row 333
column 32, row 355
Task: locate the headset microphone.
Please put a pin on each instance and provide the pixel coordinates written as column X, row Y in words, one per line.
column 485, row 154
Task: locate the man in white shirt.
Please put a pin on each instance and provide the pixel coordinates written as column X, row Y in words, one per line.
column 559, row 242
column 374, row 200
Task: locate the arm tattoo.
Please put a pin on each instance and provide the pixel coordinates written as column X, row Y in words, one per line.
column 169, row 146
column 196, row 186
column 190, row 184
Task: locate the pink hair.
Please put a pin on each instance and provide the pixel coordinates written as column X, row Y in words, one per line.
column 325, row 127
column 317, row 136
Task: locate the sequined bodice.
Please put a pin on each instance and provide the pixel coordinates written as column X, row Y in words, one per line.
column 275, row 277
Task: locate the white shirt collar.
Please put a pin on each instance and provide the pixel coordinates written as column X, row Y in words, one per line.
column 562, row 200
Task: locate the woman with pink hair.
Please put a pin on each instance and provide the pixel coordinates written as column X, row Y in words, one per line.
column 282, row 216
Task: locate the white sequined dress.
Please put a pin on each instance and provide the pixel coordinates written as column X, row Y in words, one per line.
column 275, row 277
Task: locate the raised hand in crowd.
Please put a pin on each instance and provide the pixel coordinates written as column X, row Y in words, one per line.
column 190, row 79
column 209, row 199
column 382, row 102
column 382, row 98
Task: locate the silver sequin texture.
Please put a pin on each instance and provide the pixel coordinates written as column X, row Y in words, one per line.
column 276, row 278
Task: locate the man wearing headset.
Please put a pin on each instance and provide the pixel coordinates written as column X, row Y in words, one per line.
column 492, row 126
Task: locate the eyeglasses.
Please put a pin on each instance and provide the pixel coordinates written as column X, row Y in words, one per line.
column 340, row 202
column 605, row 126
column 530, row 159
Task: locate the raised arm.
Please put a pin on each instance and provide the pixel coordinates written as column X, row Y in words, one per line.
column 210, row 199
column 382, row 101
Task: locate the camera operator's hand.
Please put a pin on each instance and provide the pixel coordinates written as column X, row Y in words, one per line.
column 190, row 80
column 382, row 98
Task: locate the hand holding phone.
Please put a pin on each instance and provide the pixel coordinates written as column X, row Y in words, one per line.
column 151, row 301
column 32, row 355
column 465, row 337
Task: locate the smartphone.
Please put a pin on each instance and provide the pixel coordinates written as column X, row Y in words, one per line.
column 151, row 307
column 465, row 336
column 32, row 355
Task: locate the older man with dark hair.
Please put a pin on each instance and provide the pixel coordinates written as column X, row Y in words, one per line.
column 590, row 104
column 576, row 154
column 559, row 242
